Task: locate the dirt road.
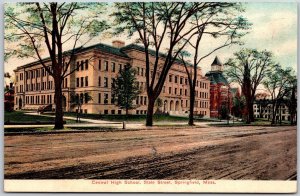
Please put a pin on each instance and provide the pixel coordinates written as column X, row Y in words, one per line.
column 264, row 153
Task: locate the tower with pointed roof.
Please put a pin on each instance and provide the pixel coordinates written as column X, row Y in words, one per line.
column 220, row 91
column 217, row 65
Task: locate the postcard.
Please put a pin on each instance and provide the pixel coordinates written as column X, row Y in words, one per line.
column 189, row 97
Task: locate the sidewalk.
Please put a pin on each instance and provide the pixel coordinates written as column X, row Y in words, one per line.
column 111, row 124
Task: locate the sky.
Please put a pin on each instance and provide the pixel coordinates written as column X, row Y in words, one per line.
column 274, row 28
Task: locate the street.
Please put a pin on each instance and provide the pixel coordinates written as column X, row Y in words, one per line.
column 249, row 152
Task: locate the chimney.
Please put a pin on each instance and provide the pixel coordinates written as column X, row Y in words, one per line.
column 118, row 44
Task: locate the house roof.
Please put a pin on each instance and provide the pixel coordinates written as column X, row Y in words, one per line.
column 217, row 61
column 216, row 77
column 152, row 52
column 233, row 90
column 107, row 49
column 103, row 47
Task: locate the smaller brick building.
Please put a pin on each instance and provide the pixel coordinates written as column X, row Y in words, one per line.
column 220, row 91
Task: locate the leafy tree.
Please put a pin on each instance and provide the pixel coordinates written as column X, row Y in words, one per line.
column 278, row 85
column 125, row 89
column 224, row 112
column 238, row 106
column 249, row 68
column 77, row 100
column 171, row 24
column 7, row 75
column 35, row 29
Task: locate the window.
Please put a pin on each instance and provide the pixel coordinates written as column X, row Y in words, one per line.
column 181, row 80
column 112, row 100
column 180, row 91
column 82, row 65
column 81, row 97
column 186, row 81
column 120, row 67
column 175, row 91
column 99, row 65
column 77, row 82
column 77, row 66
column 170, row 90
column 138, row 71
column 86, row 81
column 119, row 111
column 105, row 82
column 86, row 64
column 113, row 82
column 176, row 79
column 185, row 92
column 145, row 100
column 86, row 97
column 99, row 97
column 105, row 111
column 105, row 98
column 99, row 81
column 113, row 67
column 141, row 100
column 112, row 111
column 81, row 82
column 142, row 72
column 170, row 78
column 106, row 65
column 66, row 82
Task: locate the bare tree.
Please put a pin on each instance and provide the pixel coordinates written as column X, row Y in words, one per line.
column 229, row 29
column 168, row 24
column 53, row 27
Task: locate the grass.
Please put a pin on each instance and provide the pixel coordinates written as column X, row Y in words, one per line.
column 28, row 129
column 21, row 116
column 50, row 129
column 257, row 122
column 135, row 118
column 121, row 118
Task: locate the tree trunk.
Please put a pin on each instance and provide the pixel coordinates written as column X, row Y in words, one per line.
column 77, row 116
column 126, row 110
column 251, row 113
column 59, row 122
column 192, row 104
column 293, row 106
column 274, row 113
column 249, row 110
column 150, row 109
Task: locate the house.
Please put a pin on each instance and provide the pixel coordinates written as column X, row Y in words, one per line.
column 97, row 67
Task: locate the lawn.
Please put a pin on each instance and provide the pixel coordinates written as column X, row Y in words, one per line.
column 257, row 122
column 121, row 118
column 135, row 118
column 21, row 116
column 48, row 129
